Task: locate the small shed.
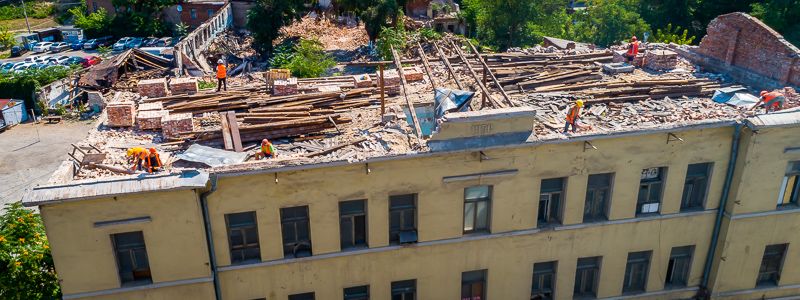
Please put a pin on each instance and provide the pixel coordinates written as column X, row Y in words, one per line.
column 13, row 111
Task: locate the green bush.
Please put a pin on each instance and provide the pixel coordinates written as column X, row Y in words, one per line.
column 36, row 10
column 26, row 265
column 308, row 59
column 391, row 37
column 202, row 84
column 24, row 86
column 673, row 35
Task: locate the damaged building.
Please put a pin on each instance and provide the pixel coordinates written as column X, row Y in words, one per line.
column 449, row 177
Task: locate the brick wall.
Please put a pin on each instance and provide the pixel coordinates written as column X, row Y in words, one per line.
column 201, row 12
column 740, row 40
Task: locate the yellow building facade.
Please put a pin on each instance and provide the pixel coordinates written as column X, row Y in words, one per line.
column 508, row 222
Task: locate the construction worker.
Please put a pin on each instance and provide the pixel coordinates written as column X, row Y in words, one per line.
column 136, row 156
column 267, row 150
column 633, row 50
column 222, row 74
column 573, row 115
column 771, row 100
column 153, row 161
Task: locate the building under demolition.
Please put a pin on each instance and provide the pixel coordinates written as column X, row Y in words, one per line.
column 449, row 177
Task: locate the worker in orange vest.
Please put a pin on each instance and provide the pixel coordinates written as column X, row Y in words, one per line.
column 633, row 50
column 266, row 151
column 771, row 100
column 573, row 115
column 222, row 74
column 136, row 156
column 153, row 161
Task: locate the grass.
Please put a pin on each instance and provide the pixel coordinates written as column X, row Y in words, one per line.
column 206, row 84
column 18, row 25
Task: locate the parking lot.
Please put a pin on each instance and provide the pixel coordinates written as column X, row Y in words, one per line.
column 81, row 53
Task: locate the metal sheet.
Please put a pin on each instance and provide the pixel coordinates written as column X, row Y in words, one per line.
column 211, row 156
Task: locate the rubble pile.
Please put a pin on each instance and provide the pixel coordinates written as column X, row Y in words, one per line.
column 229, row 43
column 120, row 114
column 152, row 88
column 150, row 119
column 333, row 36
column 183, row 85
column 172, row 125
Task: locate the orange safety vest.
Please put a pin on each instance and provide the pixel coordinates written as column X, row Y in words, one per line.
column 572, row 115
column 634, row 48
column 267, row 149
column 221, row 71
column 771, row 95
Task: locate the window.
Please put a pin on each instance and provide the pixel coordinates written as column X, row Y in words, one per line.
column 544, row 281
column 303, row 296
column 134, row 268
column 650, row 189
column 696, row 186
column 296, row 232
column 404, row 290
column 357, row 293
column 586, row 277
column 790, row 187
column 680, row 261
column 403, row 219
column 550, row 197
column 477, row 202
column 193, row 13
column 598, row 196
column 473, row 285
column 771, row 264
column 210, row 13
column 243, row 237
column 94, row 6
column 353, row 224
column 636, row 272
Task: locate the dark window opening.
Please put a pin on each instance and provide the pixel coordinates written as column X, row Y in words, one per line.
column 477, row 204
column 587, row 275
column 544, row 281
column 651, row 188
column 598, row 197
column 473, row 285
column 357, row 293
column 296, row 232
column 696, row 186
column 353, row 224
column 790, row 187
column 404, row 290
column 403, row 219
column 134, row 267
column 769, row 274
column 680, row 263
column 243, row 237
column 303, row 296
column 193, row 13
column 636, row 272
column 210, row 13
column 551, row 195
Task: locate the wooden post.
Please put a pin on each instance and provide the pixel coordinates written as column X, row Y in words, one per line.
column 494, row 103
column 494, row 78
column 383, row 88
column 483, row 99
column 410, row 104
column 448, row 66
column 426, row 65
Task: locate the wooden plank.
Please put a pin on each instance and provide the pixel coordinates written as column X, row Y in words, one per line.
column 226, row 132
column 234, row 126
column 486, row 69
column 426, row 65
column 475, row 77
column 448, row 66
column 403, row 84
column 334, row 148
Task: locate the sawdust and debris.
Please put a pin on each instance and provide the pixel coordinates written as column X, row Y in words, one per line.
column 332, row 35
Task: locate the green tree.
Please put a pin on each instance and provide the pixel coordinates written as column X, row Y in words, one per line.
column 94, row 24
column 377, row 15
column 781, row 15
column 267, row 17
column 607, row 22
column 660, row 13
column 26, row 265
column 673, row 35
column 6, row 38
column 310, row 60
column 391, row 37
column 509, row 23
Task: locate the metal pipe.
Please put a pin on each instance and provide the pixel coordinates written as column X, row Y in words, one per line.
column 737, row 132
column 212, row 257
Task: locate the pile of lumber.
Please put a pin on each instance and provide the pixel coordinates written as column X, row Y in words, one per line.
column 634, row 90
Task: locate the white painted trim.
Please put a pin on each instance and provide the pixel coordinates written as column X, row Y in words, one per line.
column 758, row 289
column 137, row 288
column 135, row 220
column 782, row 191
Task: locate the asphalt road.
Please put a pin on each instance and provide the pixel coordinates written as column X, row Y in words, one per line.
column 81, row 53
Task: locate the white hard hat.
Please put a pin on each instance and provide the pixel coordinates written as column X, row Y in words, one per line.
column 220, row 61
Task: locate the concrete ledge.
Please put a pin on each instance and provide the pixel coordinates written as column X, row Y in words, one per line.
column 137, row 288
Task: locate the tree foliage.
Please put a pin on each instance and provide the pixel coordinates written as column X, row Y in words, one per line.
column 509, row 23
column 608, row 22
column 673, row 35
column 26, row 265
column 306, row 59
column 94, row 24
column 781, row 15
column 378, row 14
column 267, row 17
column 391, row 37
column 6, row 38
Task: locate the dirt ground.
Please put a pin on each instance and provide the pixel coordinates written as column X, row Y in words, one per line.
column 31, row 152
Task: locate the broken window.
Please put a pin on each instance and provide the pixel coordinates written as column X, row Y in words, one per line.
column 550, row 198
column 544, row 281
column 473, row 285
column 790, row 187
column 771, row 264
column 404, row 290
column 587, row 275
column 636, row 272
column 243, row 237
column 132, row 262
column 680, row 262
column 477, row 203
column 353, row 224
column 403, row 219
column 296, row 232
column 598, row 197
column 303, row 296
column 651, row 187
column 696, row 186
column 357, row 293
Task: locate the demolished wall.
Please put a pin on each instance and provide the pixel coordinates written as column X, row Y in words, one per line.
column 738, row 44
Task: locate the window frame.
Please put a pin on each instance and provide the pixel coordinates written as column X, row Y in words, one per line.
column 295, row 221
column 687, row 200
column 591, row 265
column 131, row 251
column 684, row 253
column 482, row 281
column 403, row 210
column 488, row 202
column 364, row 296
column 402, row 288
column 353, row 219
column 551, row 220
column 538, row 277
column 632, row 262
column 777, row 252
column 302, row 296
column 661, row 180
column 606, row 202
column 792, row 174
column 243, row 232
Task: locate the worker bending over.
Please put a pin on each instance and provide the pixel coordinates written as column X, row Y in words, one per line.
column 222, row 74
column 153, row 161
column 633, row 50
column 573, row 115
column 267, row 150
column 136, row 156
column 771, row 100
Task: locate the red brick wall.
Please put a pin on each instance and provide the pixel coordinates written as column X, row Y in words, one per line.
column 744, row 41
column 417, row 8
column 201, row 11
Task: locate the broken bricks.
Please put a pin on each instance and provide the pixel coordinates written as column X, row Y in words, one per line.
column 186, row 85
column 174, row 124
column 152, row 88
column 150, row 119
column 120, row 114
column 285, row 87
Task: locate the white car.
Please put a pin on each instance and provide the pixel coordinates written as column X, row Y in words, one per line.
column 121, row 44
column 42, row 59
column 58, row 47
column 23, row 67
column 42, row 47
column 31, row 58
column 59, row 59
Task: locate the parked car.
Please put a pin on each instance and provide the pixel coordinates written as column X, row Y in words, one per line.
column 73, row 60
column 149, row 42
column 31, row 58
column 7, row 67
column 134, row 43
column 17, row 51
column 78, row 45
column 42, row 47
column 58, row 60
column 58, row 47
column 24, row 67
column 91, row 61
column 41, row 59
column 95, row 43
column 122, row 44
column 164, row 42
